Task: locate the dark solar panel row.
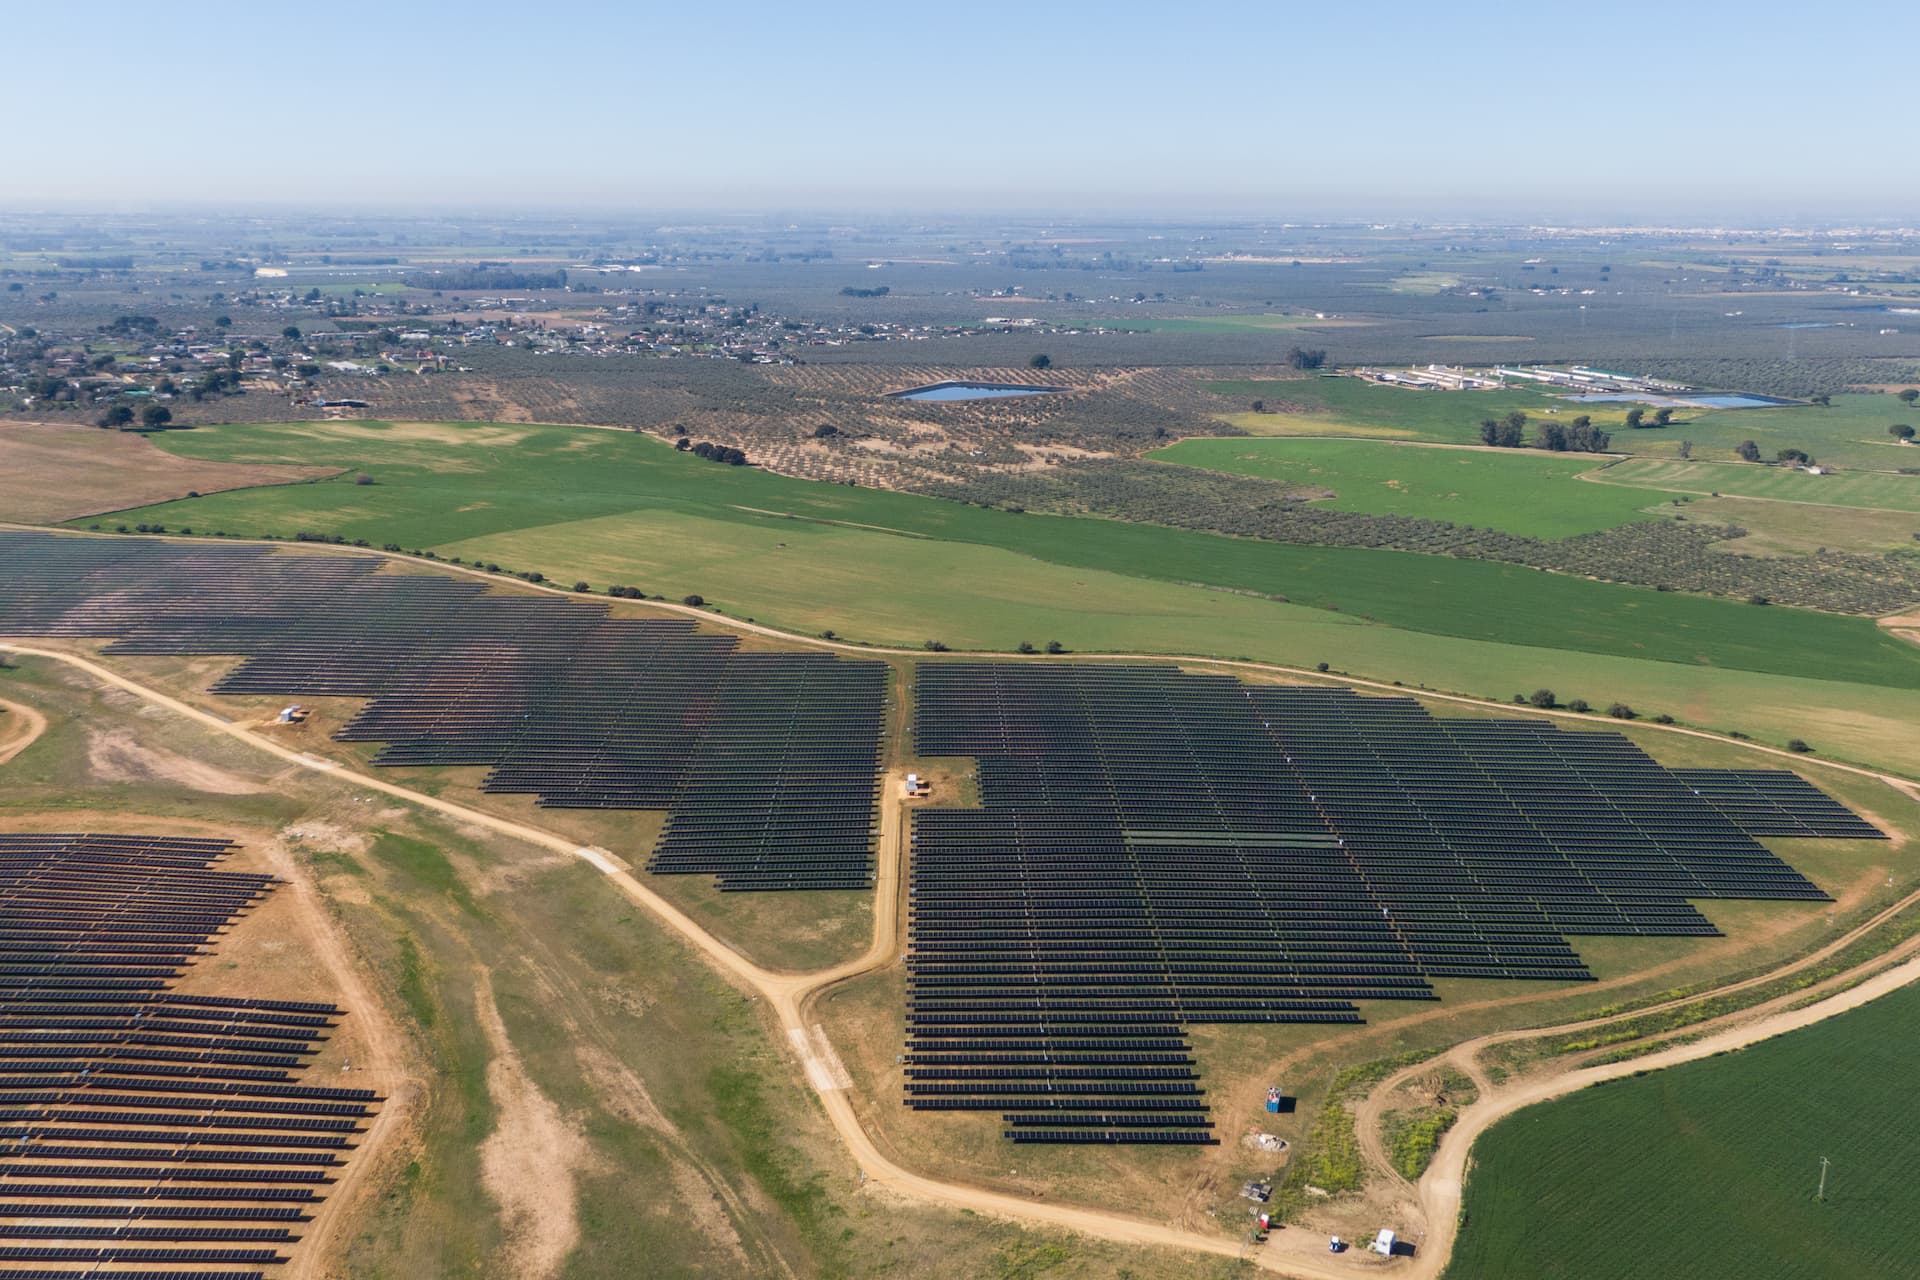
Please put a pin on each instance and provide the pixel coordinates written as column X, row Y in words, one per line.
column 768, row 763
column 124, row 1101
column 1156, row 849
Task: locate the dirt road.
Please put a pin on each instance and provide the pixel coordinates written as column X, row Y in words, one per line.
column 789, row 995
column 19, row 727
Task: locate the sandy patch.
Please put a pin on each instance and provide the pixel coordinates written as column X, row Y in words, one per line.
column 531, row 1161
column 115, row 756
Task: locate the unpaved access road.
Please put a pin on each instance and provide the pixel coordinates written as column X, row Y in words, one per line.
column 1293, row 1253
column 19, row 728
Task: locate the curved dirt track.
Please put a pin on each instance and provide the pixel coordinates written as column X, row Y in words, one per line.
column 790, row 995
column 19, row 728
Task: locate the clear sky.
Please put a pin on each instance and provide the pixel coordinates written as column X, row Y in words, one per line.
column 1490, row 107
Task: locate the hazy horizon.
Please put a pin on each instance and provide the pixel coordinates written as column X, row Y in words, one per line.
column 1497, row 112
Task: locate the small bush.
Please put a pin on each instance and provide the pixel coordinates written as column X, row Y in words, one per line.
column 1663, row 718
column 581, row 586
column 695, row 600
column 935, row 646
column 1620, row 711
column 1580, row 705
column 1798, row 745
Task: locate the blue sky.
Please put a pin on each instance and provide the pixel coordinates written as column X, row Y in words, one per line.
column 1283, row 109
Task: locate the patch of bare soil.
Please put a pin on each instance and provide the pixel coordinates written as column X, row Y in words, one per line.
column 531, row 1160
column 54, row 471
column 116, row 756
column 1906, row 626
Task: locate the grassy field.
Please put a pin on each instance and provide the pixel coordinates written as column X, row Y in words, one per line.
column 1867, row 489
column 899, row 569
column 1852, row 432
column 551, row 498
column 1521, row 491
column 1710, row 1168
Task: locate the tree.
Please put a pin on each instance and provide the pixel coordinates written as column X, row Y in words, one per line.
column 825, row 430
column 1026, row 646
column 1822, row 400
column 1306, row 358
column 1798, row 746
column 1544, row 699
column 1636, row 418
column 1748, row 450
column 1620, row 711
column 1041, row 361
column 935, row 646
column 223, row 322
column 695, row 600
column 1580, row 705
column 1900, row 431
column 291, row 333
column 1799, row 457
column 155, row 416
column 581, row 586
column 1054, row 646
column 1909, row 396
column 118, row 416
column 1661, row 417
column 1259, row 406
column 1686, row 449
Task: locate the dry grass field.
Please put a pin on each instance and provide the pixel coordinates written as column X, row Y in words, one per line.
column 53, row 471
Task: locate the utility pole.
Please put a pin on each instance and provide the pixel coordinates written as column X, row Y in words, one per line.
column 1821, row 1194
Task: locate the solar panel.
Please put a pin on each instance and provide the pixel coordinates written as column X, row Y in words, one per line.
column 1156, row 849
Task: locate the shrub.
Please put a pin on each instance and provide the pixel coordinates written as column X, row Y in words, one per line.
column 1663, row 718
column 1026, row 646
column 1798, row 745
column 1054, row 646
column 1620, row 711
column 581, row 586
column 363, row 478
column 1544, row 699
column 695, row 600
column 935, row 646
column 1580, row 705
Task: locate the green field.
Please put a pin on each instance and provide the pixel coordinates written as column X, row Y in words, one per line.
column 1352, row 406
column 1258, row 323
column 1867, row 489
column 1708, row 1170
column 894, row 568
column 1522, row 491
column 1852, row 432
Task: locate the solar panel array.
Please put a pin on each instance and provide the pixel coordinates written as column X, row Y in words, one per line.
column 1156, row 849
column 167, row 1128
column 1775, row 802
column 768, row 763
